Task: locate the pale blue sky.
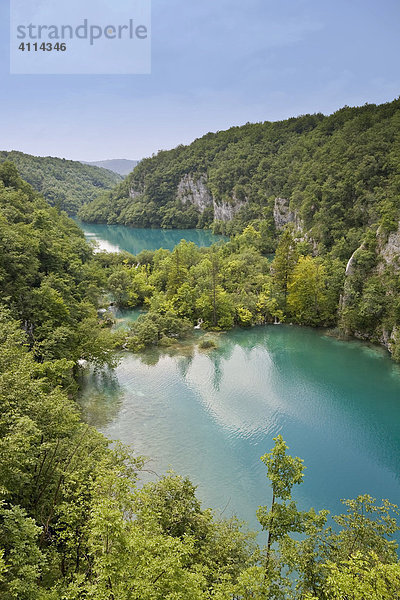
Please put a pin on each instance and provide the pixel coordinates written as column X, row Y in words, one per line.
column 216, row 63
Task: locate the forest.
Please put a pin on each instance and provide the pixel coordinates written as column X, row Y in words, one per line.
column 227, row 285
column 65, row 184
column 75, row 521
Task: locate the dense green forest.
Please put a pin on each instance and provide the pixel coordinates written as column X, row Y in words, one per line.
column 65, row 184
column 226, row 285
column 238, row 284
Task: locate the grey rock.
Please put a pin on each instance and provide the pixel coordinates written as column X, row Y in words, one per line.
column 194, row 191
column 390, row 252
column 283, row 215
column 225, row 211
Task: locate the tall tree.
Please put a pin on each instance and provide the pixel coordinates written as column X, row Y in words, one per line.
column 283, row 265
column 284, row 472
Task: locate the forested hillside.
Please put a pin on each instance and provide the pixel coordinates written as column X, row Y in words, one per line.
column 49, row 280
column 317, row 190
column 74, row 522
column 338, row 174
column 65, row 184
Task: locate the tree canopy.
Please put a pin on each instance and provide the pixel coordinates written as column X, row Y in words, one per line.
column 66, row 184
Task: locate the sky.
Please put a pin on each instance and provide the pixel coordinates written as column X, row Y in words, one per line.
column 215, row 64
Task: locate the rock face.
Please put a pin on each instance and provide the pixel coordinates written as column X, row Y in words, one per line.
column 283, row 215
column 194, row 190
column 133, row 193
column 390, row 252
column 225, row 211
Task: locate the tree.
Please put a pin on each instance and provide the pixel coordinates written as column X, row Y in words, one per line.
column 284, row 472
column 362, row 578
column 283, row 265
column 23, row 560
column 307, row 295
column 120, row 283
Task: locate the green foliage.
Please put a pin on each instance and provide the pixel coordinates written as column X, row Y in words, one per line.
column 360, row 578
column 65, row 184
column 21, row 554
column 355, row 559
column 339, row 176
column 74, row 524
column 153, row 329
column 370, row 307
column 207, row 345
column 222, row 286
column 283, row 266
column 48, row 277
column 308, row 292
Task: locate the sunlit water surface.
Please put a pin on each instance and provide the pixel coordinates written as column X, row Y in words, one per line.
column 114, row 238
column 211, row 415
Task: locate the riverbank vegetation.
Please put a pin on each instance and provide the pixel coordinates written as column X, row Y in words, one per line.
column 332, row 179
column 225, row 285
column 237, row 284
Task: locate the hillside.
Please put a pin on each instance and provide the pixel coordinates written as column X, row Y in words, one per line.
column 76, row 520
column 122, row 166
column 64, row 183
column 333, row 176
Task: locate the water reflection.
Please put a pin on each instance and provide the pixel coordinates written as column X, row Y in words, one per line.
column 114, row 238
column 212, row 414
column 101, row 398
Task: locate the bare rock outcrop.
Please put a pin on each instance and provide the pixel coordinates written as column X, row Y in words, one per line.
column 390, row 252
column 283, row 215
column 194, row 190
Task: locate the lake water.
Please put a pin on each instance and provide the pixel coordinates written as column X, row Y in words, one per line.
column 211, row 415
column 114, row 238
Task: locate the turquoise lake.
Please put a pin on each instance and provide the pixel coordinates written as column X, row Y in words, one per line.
column 114, row 238
column 211, row 415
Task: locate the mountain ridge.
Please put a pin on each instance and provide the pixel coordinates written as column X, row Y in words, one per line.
column 122, row 166
column 64, row 183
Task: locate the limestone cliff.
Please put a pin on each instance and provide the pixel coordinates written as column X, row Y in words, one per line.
column 387, row 250
column 283, row 215
column 194, row 190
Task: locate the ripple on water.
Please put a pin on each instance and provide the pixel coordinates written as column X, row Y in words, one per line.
column 212, row 415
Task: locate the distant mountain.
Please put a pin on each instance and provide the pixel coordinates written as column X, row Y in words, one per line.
column 65, row 183
column 118, row 165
